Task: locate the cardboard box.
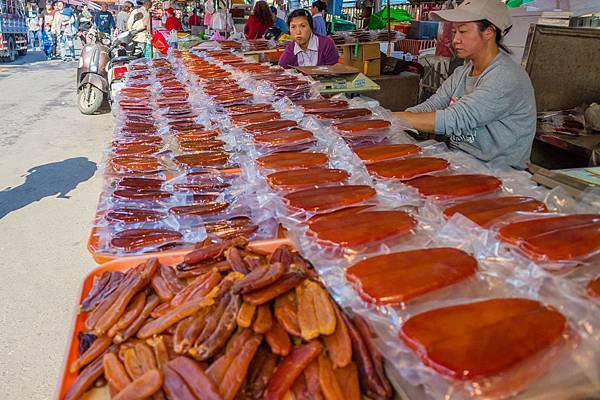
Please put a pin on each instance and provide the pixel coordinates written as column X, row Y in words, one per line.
column 370, row 51
column 367, row 67
column 365, row 52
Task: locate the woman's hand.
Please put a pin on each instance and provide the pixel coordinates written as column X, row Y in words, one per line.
column 421, row 121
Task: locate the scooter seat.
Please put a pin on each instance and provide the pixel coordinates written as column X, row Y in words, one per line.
column 120, row 59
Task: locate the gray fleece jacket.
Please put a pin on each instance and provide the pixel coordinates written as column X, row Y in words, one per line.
column 491, row 116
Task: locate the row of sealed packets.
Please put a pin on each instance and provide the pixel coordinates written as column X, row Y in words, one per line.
column 402, row 278
column 447, row 184
column 386, row 161
column 450, row 274
column 148, row 203
column 447, row 322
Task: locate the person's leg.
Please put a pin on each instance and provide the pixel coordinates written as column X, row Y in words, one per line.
column 72, row 46
column 44, row 42
column 50, row 46
column 63, row 46
column 54, row 44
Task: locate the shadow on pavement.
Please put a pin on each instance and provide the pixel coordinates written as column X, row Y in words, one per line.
column 32, row 57
column 57, row 178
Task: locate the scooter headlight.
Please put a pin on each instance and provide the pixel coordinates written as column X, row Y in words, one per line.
column 94, row 61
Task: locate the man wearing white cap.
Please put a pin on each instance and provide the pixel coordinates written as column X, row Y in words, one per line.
column 487, row 106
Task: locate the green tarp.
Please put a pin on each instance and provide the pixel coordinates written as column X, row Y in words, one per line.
column 340, row 24
column 379, row 20
column 516, row 3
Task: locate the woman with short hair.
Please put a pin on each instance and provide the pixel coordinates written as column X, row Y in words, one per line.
column 307, row 48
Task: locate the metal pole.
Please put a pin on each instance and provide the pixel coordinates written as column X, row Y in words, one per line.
column 389, row 29
column 151, row 47
column 333, row 18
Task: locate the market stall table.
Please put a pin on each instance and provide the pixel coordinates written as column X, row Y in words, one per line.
column 398, row 92
column 339, row 78
column 574, row 180
column 586, row 148
column 565, row 75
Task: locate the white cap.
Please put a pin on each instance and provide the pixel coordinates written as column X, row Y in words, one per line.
column 476, row 10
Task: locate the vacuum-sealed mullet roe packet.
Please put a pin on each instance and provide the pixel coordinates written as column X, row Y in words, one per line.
column 151, row 237
column 375, row 229
column 501, row 346
column 286, row 161
column 553, row 240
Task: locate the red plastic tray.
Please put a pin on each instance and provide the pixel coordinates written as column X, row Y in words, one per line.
column 123, row 264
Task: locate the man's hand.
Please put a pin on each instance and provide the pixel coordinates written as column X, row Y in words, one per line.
column 421, row 121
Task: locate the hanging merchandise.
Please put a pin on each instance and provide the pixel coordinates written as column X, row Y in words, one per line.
column 209, row 8
column 160, row 42
column 221, row 19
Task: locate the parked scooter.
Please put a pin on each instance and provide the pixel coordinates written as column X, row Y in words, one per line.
column 92, row 82
column 102, row 67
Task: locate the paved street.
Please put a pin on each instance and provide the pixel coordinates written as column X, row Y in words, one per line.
column 49, row 155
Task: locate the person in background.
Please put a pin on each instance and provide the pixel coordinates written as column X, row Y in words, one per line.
column 260, row 20
column 56, row 22
column 172, row 22
column 33, row 24
column 318, row 21
column 123, row 17
column 158, row 17
column 68, row 28
column 46, row 29
column 195, row 19
column 307, row 48
column 85, row 23
column 279, row 22
column 104, row 20
column 140, row 22
column 185, row 20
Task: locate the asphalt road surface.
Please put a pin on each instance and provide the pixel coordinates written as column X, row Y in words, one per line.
column 49, row 187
